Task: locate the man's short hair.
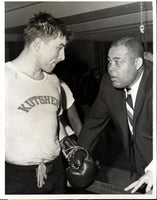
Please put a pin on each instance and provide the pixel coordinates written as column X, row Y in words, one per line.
column 133, row 44
column 44, row 25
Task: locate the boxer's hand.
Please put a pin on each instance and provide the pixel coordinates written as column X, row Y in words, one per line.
column 77, row 157
column 83, row 172
column 82, row 169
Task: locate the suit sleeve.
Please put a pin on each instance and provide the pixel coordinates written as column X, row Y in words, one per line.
column 97, row 120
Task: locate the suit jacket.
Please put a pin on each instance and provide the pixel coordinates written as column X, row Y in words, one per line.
column 110, row 104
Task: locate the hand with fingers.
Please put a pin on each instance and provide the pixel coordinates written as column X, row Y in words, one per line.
column 147, row 179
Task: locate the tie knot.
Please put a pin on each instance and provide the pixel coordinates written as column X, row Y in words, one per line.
column 128, row 90
column 129, row 97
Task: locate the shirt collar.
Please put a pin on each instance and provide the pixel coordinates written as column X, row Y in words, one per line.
column 135, row 86
column 134, row 89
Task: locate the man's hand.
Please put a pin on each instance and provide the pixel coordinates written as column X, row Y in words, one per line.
column 147, row 178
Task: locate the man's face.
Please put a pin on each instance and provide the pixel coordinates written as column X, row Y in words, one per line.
column 51, row 52
column 121, row 67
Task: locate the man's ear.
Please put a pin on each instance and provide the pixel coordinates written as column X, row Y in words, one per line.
column 139, row 62
column 37, row 44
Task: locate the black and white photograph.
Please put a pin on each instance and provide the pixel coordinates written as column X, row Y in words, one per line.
column 79, row 100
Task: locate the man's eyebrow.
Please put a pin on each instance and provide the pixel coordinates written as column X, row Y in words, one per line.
column 116, row 58
column 64, row 45
column 113, row 57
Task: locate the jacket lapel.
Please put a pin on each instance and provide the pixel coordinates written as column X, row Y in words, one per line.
column 140, row 96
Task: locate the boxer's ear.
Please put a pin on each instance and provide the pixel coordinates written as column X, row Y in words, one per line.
column 37, row 44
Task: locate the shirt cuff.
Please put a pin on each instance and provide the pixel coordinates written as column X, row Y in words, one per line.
column 149, row 167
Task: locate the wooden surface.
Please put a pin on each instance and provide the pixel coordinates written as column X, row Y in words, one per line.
column 99, row 187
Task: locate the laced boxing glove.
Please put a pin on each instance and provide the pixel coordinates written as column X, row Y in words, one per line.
column 82, row 169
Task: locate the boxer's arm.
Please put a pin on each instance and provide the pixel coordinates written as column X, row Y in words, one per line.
column 62, row 131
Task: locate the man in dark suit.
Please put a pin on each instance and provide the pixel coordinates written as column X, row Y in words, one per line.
column 127, row 69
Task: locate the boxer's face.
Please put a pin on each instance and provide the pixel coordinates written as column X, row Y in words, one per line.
column 51, row 52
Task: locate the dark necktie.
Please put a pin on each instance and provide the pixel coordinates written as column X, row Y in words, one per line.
column 130, row 114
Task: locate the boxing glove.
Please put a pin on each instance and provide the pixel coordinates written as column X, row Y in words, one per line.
column 82, row 169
